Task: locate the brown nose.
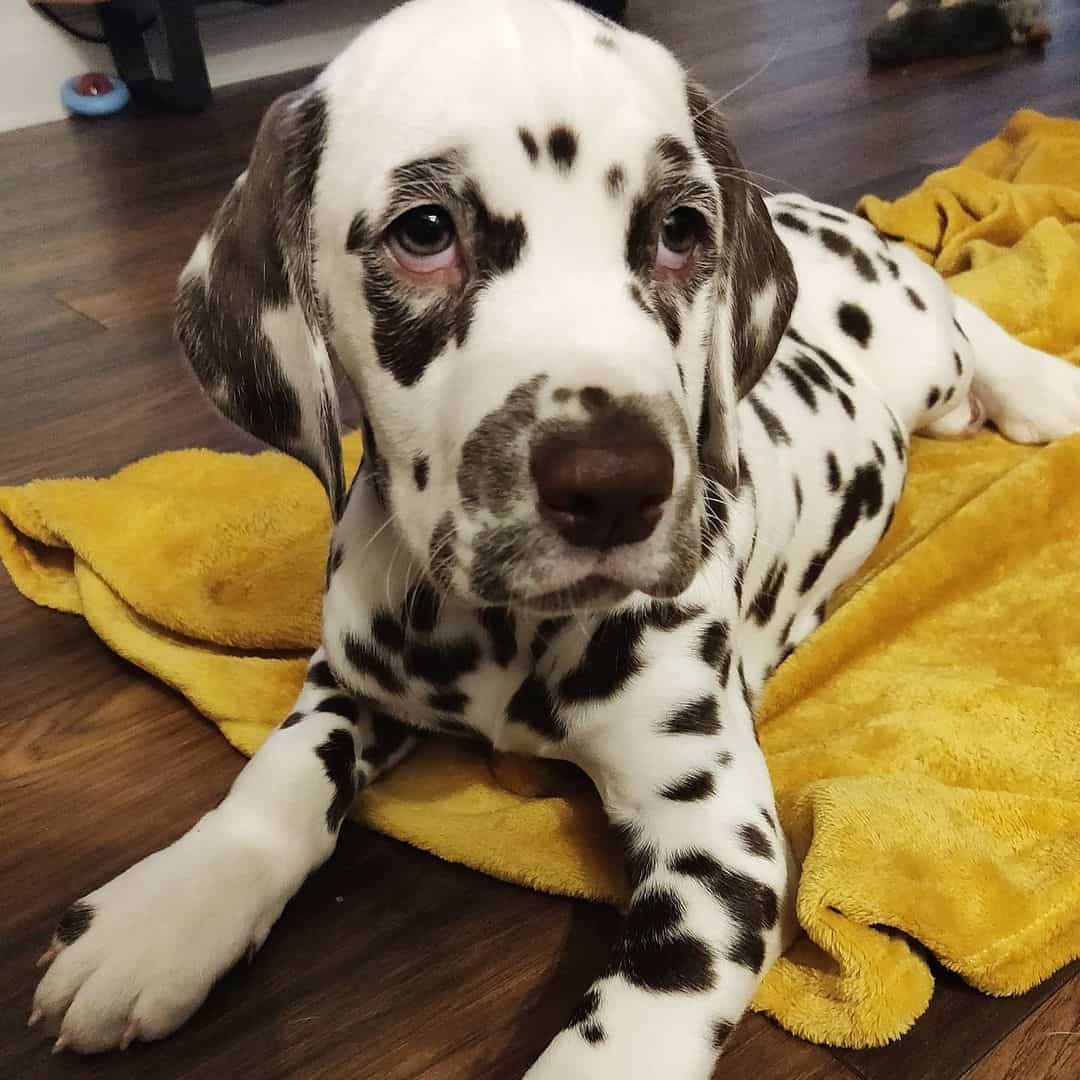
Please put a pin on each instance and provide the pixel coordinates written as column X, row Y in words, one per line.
column 605, row 485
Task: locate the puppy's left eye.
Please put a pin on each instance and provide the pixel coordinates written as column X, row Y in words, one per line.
column 679, row 235
column 424, row 239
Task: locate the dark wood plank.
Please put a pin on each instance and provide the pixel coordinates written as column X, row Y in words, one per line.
column 960, row 1028
column 1045, row 1047
column 390, row 963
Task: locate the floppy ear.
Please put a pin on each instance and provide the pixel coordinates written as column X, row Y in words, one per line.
column 248, row 317
column 757, row 286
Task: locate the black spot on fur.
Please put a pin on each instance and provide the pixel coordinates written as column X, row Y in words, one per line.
column 769, row 820
column 863, row 265
column 615, row 180
column 343, row 705
column 950, row 394
column 339, row 761
column 769, row 420
column 724, row 759
column 532, row 706
column 721, row 1032
column 958, row 362
column 388, row 736
column 716, row 648
column 933, row 397
column 752, row 905
column 420, row 608
column 813, row 371
column 656, row 953
column 584, row 1017
column 959, row 329
column 832, row 467
column 444, row 662
column 592, row 1032
column 764, row 604
column 531, row 147
column 916, row 300
column 448, row 701
column 863, row 495
column 855, row 323
column 829, row 216
column 825, row 357
column 639, row 856
column 74, row 922
column 320, row 675
column 836, row 242
column 756, row 842
column 801, row 385
column 898, row 442
column 387, row 631
column 562, row 146
column 363, row 657
column 499, row 624
column 891, row 266
column 846, row 403
column 663, row 615
column 790, row 221
column 420, row 468
column 879, row 454
column 605, row 41
column 699, row 717
column 586, row 1008
column 812, row 573
column 293, row 719
column 693, row 787
column 358, row 235
column 610, row 660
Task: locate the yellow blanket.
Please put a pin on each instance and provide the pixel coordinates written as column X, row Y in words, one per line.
column 925, row 744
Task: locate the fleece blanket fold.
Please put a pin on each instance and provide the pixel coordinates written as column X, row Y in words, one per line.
column 924, row 743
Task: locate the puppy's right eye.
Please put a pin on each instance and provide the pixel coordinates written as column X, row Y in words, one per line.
column 424, row 240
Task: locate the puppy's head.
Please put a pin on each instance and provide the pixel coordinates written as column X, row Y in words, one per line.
column 527, row 241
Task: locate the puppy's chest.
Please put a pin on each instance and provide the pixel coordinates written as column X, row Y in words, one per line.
column 482, row 674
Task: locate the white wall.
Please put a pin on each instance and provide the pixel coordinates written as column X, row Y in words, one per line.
column 35, row 58
column 241, row 42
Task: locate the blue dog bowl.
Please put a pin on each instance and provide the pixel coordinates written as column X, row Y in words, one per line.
column 95, row 104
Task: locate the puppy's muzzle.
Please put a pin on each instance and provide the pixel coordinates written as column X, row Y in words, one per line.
column 605, row 484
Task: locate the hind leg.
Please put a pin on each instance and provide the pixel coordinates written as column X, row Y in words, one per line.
column 1028, row 395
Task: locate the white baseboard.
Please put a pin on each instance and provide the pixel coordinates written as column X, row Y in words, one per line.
column 241, row 42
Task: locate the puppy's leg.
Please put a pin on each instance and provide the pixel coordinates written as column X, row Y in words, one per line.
column 135, row 958
column 710, row 873
column 1031, row 396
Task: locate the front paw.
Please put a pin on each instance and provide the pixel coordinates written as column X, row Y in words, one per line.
column 134, row 959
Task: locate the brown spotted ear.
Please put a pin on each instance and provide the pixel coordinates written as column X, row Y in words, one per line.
column 758, row 285
column 247, row 312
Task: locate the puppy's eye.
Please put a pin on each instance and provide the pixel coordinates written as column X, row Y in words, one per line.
column 679, row 235
column 424, row 239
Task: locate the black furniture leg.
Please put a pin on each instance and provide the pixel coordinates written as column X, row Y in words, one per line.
column 188, row 90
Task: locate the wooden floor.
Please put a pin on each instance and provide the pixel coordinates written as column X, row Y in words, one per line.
column 390, row 964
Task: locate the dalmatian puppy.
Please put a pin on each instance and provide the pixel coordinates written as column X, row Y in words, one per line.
column 627, row 427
